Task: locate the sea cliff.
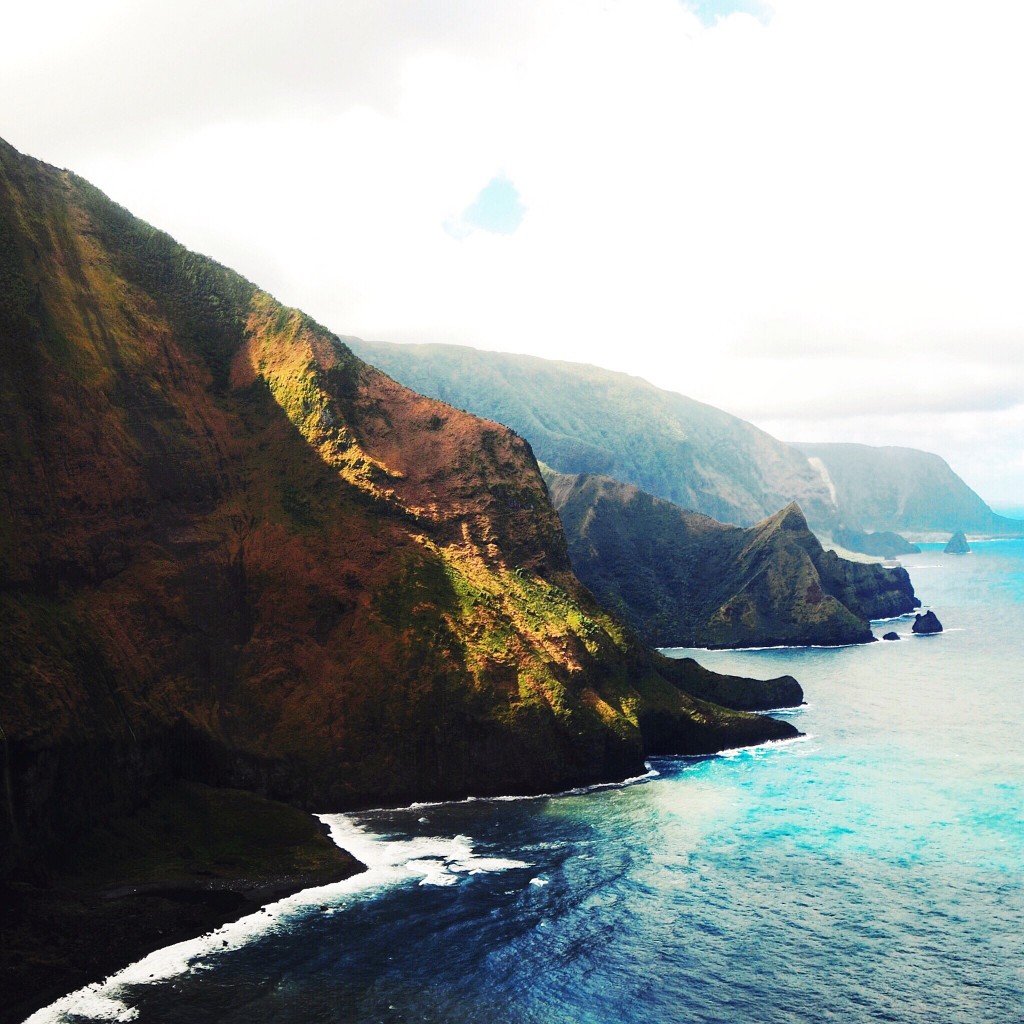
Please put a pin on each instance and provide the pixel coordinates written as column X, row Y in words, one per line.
column 235, row 553
column 682, row 579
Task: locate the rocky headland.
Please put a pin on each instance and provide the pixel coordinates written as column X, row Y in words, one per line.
column 880, row 544
column 904, row 490
column 234, row 555
column 583, row 419
column 189, row 859
column 683, row 579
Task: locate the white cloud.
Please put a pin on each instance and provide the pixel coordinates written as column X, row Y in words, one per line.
column 816, row 212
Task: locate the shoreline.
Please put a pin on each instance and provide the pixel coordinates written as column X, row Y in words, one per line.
column 192, row 859
column 53, row 946
column 147, row 917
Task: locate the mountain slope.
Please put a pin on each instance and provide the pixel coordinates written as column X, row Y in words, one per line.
column 582, row 419
column 232, row 552
column 683, row 579
column 904, row 489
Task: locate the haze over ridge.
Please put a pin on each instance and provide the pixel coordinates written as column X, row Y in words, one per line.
column 583, row 419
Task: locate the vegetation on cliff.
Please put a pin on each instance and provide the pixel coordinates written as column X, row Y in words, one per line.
column 584, row 419
column 234, row 553
column 681, row 578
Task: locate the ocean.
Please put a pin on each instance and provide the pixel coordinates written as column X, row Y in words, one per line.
column 870, row 871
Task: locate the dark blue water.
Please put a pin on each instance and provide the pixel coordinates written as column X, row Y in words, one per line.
column 871, row 872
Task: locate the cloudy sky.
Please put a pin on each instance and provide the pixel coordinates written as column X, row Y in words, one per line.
column 809, row 213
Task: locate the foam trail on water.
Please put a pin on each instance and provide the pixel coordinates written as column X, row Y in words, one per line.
column 104, row 1000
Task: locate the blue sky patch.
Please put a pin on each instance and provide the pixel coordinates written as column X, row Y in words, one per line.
column 709, row 11
column 497, row 209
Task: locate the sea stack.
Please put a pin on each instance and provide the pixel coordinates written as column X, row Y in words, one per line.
column 927, row 623
column 957, row 544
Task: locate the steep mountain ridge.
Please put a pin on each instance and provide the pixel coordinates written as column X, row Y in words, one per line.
column 233, row 552
column 583, row 419
column 682, row 579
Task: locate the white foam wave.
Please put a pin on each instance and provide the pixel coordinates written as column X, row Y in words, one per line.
column 419, row 805
column 105, row 1000
column 776, row 647
column 790, row 710
column 893, row 618
column 432, row 860
column 760, row 749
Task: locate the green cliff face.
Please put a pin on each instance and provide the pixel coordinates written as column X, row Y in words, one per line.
column 683, row 579
column 234, row 553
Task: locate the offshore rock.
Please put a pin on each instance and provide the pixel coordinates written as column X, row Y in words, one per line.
column 927, row 623
column 957, row 544
column 890, row 636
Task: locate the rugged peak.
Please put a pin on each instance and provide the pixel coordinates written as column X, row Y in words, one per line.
column 681, row 578
column 790, row 519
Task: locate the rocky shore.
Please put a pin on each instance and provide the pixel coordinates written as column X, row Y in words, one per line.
column 193, row 859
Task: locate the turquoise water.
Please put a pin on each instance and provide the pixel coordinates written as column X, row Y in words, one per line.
column 873, row 871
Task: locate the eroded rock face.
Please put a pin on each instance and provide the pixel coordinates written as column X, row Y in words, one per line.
column 927, row 623
column 683, row 579
column 235, row 553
